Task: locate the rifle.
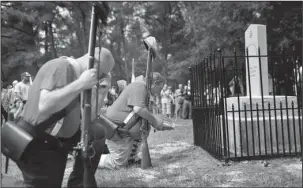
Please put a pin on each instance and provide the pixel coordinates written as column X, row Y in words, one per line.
column 146, row 160
column 99, row 10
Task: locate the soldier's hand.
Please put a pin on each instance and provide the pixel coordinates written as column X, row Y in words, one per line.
column 88, row 78
column 166, row 126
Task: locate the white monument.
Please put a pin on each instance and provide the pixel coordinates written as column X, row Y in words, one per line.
column 255, row 37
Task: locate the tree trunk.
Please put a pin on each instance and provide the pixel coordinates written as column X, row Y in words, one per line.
column 53, row 49
column 46, row 39
column 165, row 45
column 79, row 34
column 124, row 53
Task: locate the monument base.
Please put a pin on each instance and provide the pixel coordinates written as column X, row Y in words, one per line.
column 261, row 131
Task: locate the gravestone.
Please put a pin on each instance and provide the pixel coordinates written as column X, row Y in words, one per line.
column 255, row 37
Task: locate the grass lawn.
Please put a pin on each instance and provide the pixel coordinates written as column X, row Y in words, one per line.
column 177, row 163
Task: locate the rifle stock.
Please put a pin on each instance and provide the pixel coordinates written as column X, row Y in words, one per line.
column 146, row 160
column 89, row 179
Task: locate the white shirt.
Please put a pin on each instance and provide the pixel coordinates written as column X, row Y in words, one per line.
column 22, row 89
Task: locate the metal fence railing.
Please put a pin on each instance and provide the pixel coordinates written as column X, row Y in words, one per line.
column 231, row 121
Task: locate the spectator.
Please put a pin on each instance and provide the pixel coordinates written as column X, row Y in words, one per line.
column 178, row 101
column 187, row 105
column 236, row 86
column 109, row 99
column 22, row 88
column 113, row 91
column 5, row 98
column 4, row 114
column 169, row 95
column 121, row 85
column 155, row 103
column 164, row 98
column 12, row 93
column 216, row 95
column 15, row 111
column 104, row 86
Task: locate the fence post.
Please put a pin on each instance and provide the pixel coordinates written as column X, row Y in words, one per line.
column 192, row 101
column 222, row 104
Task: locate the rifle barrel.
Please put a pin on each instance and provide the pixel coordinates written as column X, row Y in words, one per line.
column 88, row 176
column 146, row 160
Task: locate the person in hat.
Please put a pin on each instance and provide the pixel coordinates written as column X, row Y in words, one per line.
column 57, row 90
column 21, row 94
column 131, row 104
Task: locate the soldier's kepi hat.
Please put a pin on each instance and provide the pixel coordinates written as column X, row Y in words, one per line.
column 150, row 42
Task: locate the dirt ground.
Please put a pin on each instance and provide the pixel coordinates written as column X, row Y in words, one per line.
column 178, row 163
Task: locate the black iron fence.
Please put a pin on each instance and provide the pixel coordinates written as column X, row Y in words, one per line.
column 248, row 106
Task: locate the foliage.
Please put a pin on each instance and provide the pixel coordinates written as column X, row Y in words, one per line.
column 34, row 32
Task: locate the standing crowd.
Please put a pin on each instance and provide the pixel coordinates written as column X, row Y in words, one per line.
column 14, row 97
column 177, row 104
column 172, row 104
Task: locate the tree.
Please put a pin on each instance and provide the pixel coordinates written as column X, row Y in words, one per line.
column 34, row 32
column 165, row 21
column 19, row 33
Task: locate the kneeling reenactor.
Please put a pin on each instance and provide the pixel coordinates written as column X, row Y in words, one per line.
column 127, row 112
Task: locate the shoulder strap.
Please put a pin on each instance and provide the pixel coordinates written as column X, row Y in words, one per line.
column 51, row 120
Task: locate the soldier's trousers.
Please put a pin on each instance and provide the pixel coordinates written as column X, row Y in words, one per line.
column 45, row 167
